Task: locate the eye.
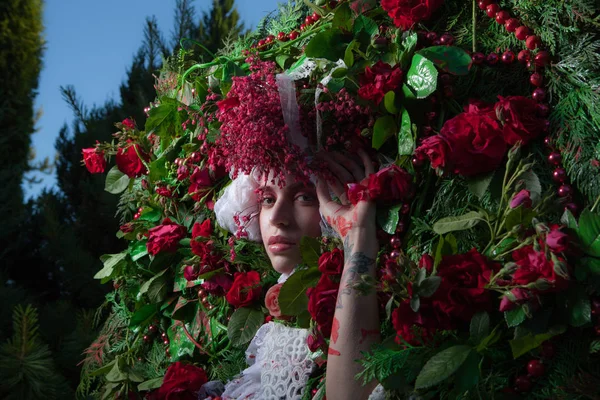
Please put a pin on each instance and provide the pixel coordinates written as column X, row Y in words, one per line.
column 267, row 200
column 306, row 197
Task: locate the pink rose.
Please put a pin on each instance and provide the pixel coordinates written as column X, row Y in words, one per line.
column 523, row 198
column 272, row 300
column 557, row 241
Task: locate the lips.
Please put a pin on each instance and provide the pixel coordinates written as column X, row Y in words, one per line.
column 279, row 240
column 280, row 244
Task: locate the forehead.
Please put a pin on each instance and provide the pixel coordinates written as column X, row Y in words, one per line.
column 291, row 183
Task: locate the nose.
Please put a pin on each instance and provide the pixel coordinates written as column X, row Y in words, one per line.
column 280, row 214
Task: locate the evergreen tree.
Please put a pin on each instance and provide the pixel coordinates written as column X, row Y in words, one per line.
column 220, row 22
column 21, row 46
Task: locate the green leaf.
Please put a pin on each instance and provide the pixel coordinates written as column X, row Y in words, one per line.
column 281, row 59
column 446, row 246
column 342, row 17
column 480, row 184
column 385, row 128
column 138, row 250
column 162, row 118
column 459, row 223
column 349, row 55
column 468, row 374
column 428, row 286
column 329, row 44
column 480, row 327
column 489, row 340
column 365, row 24
column 156, row 287
column 422, row 76
column 151, row 384
column 514, row 317
column 292, row 296
column 157, row 169
column 453, row 60
column 231, row 69
column 116, row 181
column 589, row 232
column 406, row 142
column 243, row 325
column 103, row 370
column 520, row 215
column 143, row 316
column 388, row 218
column 580, row 309
column 389, row 101
column 442, row 365
column 406, row 49
column 529, row 342
column 150, row 215
column 146, row 286
column 310, row 250
column 569, row 220
column 532, row 183
column 415, row 303
column 110, row 262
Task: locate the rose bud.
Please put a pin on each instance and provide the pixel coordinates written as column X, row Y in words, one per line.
column 557, row 241
column 522, row 198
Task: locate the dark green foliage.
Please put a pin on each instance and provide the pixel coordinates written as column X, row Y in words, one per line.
column 220, row 22
column 21, row 46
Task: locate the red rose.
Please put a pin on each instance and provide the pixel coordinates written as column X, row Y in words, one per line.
column 515, row 297
column 130, row 163
column 202, row 230
column 557, row 241
column 436, row 149
column 181, row 382
column 523, row 198
column 321, row 303
column 200, row 183
column 418, row 327
column 164, row 191
column 218, row 285
column 426, row 262
column 272, row 300
column 331, row 262
column 165, row 237
column 533, row 266
column 206, row 251
column 127, row 227
column 245, row 289
column 475, row 141
column 519, row 119
column 462, row 292
column 357, row 193
column 390, row 185
column 94, row 160
column 315, row 342
column 406, row 13
column 379, row 79
column 128, row 123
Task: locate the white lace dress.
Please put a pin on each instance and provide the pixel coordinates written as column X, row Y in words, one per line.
column 280, row 364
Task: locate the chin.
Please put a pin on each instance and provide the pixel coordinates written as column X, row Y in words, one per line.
column 283, row 265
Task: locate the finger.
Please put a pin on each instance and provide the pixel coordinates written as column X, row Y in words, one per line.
column 323, row 193
column 366, row 161
column 340, row 172
column 352, row 166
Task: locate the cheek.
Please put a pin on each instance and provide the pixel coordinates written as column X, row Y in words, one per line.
column 310, row 221
column 263, row 222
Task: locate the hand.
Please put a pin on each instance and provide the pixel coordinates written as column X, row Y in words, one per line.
column 345, row 217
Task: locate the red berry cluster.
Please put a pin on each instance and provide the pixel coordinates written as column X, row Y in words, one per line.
column 536, row 368
column 535, row 63
column 153, row 331
column 284, row 37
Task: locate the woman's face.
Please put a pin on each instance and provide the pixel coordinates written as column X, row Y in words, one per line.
column 286, row 215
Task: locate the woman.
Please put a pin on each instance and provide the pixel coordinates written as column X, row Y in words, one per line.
column 287, row 214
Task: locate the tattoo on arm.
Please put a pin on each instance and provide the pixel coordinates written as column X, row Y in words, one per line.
column 358, row 264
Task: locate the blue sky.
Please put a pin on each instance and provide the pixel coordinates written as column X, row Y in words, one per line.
column 90, row 44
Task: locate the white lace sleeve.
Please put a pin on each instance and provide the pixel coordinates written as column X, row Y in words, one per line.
column 378, row 393
column 279, row 368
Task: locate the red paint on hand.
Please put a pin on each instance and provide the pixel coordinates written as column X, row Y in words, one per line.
column 333, row 352
column 365, row 333
column 335, row 329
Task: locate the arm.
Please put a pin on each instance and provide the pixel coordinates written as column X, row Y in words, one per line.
column 356, row 318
